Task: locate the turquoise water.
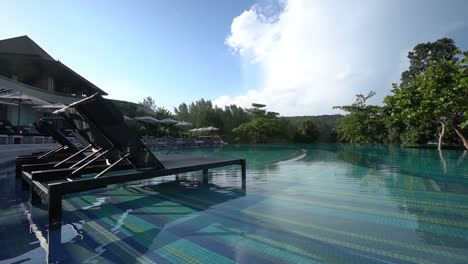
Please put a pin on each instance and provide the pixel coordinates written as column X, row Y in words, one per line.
column 303, row 204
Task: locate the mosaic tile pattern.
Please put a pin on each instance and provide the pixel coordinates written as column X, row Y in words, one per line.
column 303, row 204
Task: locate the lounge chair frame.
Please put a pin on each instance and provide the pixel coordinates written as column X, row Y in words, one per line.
column 50, row 185
column 63, row 151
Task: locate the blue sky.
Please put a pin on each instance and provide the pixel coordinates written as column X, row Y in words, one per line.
column 298, row 56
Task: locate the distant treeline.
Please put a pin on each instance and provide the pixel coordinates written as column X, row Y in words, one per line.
column 325, row 125
column 236, row 124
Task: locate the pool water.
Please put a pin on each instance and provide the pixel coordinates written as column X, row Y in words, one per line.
column 316, row 203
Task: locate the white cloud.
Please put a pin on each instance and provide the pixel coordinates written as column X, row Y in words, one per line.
column 314, row 55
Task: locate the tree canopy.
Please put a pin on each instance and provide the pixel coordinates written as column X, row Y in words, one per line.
column 363, row 124
column 431, row 99
column 149, row 102
column 306, row 132
column 265, row 126
column 440, row 95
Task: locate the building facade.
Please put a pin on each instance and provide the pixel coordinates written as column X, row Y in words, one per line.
column 26, row 67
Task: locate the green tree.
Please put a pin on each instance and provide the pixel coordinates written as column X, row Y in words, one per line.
column 260, row 130
column 424, row 54
column 149, row 102
column 408, row 130
column 203, row 113
column 162, row 113
column 306, row 132
column 265, row 127
column 363, row 123
column 440, row 95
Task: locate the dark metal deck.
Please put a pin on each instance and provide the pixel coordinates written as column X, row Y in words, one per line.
column 51, row 190
column 180, row 161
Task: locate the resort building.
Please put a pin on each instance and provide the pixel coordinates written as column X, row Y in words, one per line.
column 26, row 67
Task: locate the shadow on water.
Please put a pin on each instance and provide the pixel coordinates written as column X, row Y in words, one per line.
column 126, row 219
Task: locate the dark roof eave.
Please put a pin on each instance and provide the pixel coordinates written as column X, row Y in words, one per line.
column 82, row 78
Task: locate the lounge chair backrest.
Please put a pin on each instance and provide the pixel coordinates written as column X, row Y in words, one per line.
column 44, row 127
column 102, row 124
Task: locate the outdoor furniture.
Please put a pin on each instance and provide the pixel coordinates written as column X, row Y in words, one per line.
column 180, row 143
column 15, row 139
column 65, row 150
column 102, row 124
column 198, row 142
column 161, row 143
column 3, row 139
column 38, row 139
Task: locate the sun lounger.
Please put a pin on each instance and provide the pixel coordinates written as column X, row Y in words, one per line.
column 65, row 149
column 102, row 124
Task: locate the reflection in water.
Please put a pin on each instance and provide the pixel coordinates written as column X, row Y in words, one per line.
column 323, row 203
column 462, row 157
column 444, row 162
column 143, row 201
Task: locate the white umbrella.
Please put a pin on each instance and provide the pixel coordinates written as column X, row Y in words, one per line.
column 147, row 119
column 210, row 128
column 21, row 98
column 183, row 123
column 169, row 121
column 194, row 130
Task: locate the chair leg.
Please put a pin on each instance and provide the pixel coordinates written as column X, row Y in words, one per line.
column 24, row 185
column 244, row 175
column 55, row 208
column 34, row 198
column 205, row 177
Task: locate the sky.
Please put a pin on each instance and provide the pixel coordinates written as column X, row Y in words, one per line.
column 299, row 57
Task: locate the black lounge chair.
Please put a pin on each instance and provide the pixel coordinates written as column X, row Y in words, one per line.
column 65, row 148
column 102, row 124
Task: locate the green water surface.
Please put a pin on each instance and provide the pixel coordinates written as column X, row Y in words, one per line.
column 315, row 203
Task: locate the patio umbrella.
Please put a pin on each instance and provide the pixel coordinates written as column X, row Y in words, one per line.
column 129, row 121
column 21, row 98
column 183, row 123
column 49, row 107
column 147, row 119
column 169, row 121
column 210, row 128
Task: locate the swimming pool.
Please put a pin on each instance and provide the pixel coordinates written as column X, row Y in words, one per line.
column 316, row 203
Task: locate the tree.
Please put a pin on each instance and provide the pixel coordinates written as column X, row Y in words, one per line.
column 306, row 132
column 149, row 102
column 258, row 110
column 162, row 113
column 363, row 124
column 401, row 128
column 424, row 53
column 440, row 95
column 265, row 126
column 260, row 130
column 203, row 113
